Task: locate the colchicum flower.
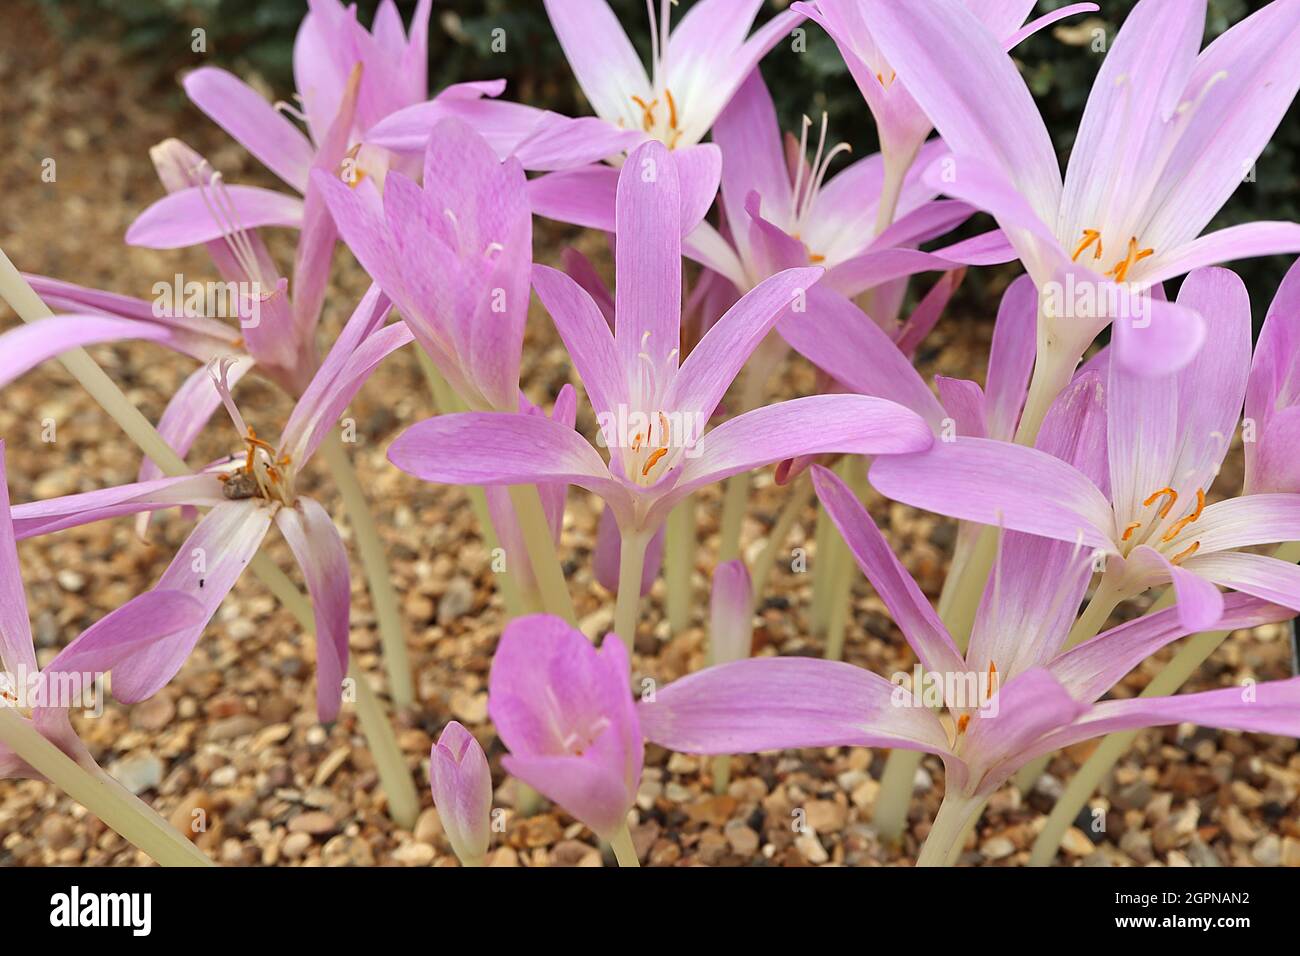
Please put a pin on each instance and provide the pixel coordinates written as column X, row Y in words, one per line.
column 246, row 493
column 652, row 407
column 1166, row 440
column 462, row 792
column 565, row 711
column 1272, row 424
column 116, row 640
column 1168, row 134
column 1015, row 695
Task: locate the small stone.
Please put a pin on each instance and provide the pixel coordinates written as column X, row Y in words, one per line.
column 1076, row 843
column 1135, row 796
column 743, row 840
column 295, row 845
column 153, row 714
column 70, row 580
column 811, row 849
column 414, row 854
column 997, row 848
column 575, row 853
column 191, row 815
column 241, row 725
column 826, row 816
column 469, row 708
column 1290, row 851
column 313, row 823
column 330, row 765
column 428, row 827
column 1268, row 851
column 456, row 601
column 138, row 772
column 224, row 776
column 715, row 810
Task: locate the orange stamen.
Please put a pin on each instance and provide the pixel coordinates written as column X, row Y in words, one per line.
column 1164, row 509
column 1135, row 255
column 672, row 109
column 1184, row 522
column 1186, row 552
column 962, row 723
column 1089, row 237
column 1128, row 531
column 653, row 460
column 647, row 112
column 816, row 257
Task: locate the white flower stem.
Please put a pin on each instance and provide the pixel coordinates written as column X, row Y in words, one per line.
column 99, row 793
column 374, row 564
column 624, row 850
column 949, row 827
column 679, row 562
column 631, row 563
column 374, row 725
column 1191, row 655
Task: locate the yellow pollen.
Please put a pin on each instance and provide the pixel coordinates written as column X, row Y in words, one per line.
column 1184, row 522
column 1164, row 509
column 1089, row 237
column 1128, row 531
column 1135, row 255
column 1186, row 552
column 653, row 460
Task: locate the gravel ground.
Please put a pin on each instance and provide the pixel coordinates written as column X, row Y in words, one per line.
column 235, row 736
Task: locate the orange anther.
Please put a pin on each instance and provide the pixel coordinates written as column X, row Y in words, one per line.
column 962, row 723
column 1184, row 522
column 1186, row 552
column 672, row 109
column 1164, row 509
column 653, row 460
column 1129, row 529
column 1089, row 237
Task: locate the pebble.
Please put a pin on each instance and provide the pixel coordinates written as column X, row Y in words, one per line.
column 997, row 848
column 313, row 823
column 744, row 841
column 428, row 827
column 70, row 580
column 826, row 816
column 811, row 849
column 414, row 854
column 138, row 772
column 1076, row 843
column 1268, row 851
column 456, row 601
column 295, row 845
column 155, row 713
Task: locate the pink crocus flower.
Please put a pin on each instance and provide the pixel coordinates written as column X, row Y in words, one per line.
column 653, row 407
column 462, row 791
column 902, row 124
column 1015, row 694
column 245, row 495
column 694, row 69
column 453, row 254
column 565, row 711
column 1166, row 440
column 1272, row 423
column 125, row 634
column 783, row 210
column 1168, row 134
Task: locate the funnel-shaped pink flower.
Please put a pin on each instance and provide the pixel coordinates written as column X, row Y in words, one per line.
column 1271, row 434
column 565, row 711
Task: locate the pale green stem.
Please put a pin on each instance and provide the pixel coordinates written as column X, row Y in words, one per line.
column 949, row 827
column 799, row 497
column 735, row 501
column 541, row 552
column 853, row 470
column 631, row 563
column 374, row 726
column 99, row 793
column 510, row 591
column 1052, row 373
column 891, row 188
column 1104, row 600
column 721, row 773
column 679, row 562
column 889, row 816
column 827, row 549
column 374, row 563
column 624, row 850
column 1190, row 656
